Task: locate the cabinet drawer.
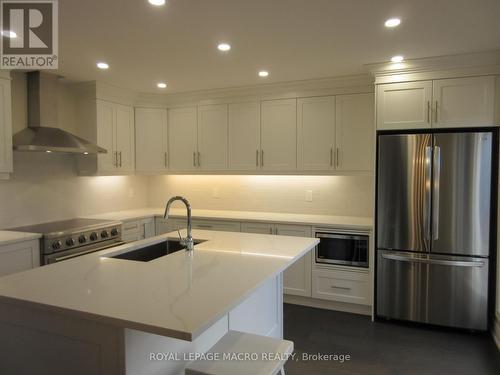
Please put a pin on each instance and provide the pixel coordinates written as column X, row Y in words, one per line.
column 349, row 287
column 261, row 228
column 225, row 226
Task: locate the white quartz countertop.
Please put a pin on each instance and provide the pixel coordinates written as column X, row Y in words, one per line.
column 8, row 237
column 349, row 222
column 177, row 295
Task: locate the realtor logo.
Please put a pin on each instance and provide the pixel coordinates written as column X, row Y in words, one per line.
column 29, row 34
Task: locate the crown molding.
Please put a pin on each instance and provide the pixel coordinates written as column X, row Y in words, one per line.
column 313, row 87
column 480, row 63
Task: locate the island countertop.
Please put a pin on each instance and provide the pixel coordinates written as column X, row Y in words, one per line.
column 176, row 296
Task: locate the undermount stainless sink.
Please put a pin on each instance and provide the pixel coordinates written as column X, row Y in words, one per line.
column 157, row 250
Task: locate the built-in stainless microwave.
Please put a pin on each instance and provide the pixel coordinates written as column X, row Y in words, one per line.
column 347, row 249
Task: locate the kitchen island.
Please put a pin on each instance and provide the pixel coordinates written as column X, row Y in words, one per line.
column 100, row 315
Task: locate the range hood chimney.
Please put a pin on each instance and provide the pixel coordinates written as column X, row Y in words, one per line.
column 42, row 133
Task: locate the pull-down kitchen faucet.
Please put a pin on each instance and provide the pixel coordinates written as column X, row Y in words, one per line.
column 188, row 241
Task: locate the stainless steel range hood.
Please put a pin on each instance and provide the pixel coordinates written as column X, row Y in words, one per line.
column 42, row 133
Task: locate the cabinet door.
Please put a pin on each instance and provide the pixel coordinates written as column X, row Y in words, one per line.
column 163, row 226
column 212, row 137
column 315, row 133
column 297, row 278
column 5, row 127
column 182, row 140
column 404, row 105
column 464, row 102
column 150, row 140
column 279, row 135
column 260, row 228
column 125, row 144
column 19, row 256
column 244, row 136
column 106, row 136
column 355, row 133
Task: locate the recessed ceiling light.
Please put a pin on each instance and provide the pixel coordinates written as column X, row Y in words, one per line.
column 397, row 59
column 9, row 34
column 224, row 47
column 48, row 151
column 392, row 22
column 85, row 153
column 102, row 65
column 157, row 2
column 263, row 73
column 161, row 85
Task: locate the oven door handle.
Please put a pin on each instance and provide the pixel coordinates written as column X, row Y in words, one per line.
column 59, row 259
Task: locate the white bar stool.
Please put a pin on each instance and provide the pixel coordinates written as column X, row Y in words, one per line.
column 264, row 356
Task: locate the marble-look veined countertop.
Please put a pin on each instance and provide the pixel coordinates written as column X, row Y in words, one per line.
column 177, row 295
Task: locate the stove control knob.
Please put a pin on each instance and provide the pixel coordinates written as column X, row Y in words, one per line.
column 70, row 242
column 82, row 239
column 57, row 245
column 114, row 232
column 104, row 234
column 93, row 236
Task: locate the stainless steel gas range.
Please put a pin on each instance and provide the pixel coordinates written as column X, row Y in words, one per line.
column 71, row 238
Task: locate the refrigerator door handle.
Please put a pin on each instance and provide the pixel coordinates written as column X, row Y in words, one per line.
column 455, row 263
column 427, row 193
column 435, row 191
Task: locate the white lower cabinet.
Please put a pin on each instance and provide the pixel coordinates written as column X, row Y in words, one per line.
column 19, row 256
column 297, row 278
column 136, row 230
column 168, row 225
column 217, row 225
column 341, row 286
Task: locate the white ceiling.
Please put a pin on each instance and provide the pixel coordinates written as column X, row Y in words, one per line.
column 293, row 39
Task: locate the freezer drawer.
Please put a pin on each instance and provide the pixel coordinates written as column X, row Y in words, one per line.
column 444, row 290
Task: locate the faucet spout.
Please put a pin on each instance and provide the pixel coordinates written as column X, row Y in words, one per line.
column 188, row 241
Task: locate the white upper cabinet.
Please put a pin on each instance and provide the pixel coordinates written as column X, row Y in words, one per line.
column 279, row 135
column 115, row 133
column 355, row 132
column 5, row 128
column 125, row 138
column 106, row 136
column 404, row 105
column 244, row 136
column 182, row 140
column 151, row 140
column 443, row 103
column 212, row 137
column 464, row 102
column 316, row 133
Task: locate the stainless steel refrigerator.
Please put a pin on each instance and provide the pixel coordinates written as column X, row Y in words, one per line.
column 434, row 212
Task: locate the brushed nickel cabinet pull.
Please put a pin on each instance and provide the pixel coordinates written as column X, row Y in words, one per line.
column 257, row 158
column 339, row 287
column 331, row 156
column 194, row 159
column 199, row 164
column 337, row 157
column 261, row 158
column 436, row 111
column 428, row 112
column 120, row 159
column 165, row 159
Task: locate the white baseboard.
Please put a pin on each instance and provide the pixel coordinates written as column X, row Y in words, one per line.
column 496, row 330
column 328, row 305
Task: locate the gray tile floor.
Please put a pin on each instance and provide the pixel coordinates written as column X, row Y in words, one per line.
column 383, row 347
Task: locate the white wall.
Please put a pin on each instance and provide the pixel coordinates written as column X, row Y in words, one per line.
column 332, row 195
column 45, row 187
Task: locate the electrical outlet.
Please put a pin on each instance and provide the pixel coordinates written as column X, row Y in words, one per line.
column 215, row 193
column 309, row 195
